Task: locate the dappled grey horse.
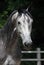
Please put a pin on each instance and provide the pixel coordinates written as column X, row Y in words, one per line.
column 17, row 28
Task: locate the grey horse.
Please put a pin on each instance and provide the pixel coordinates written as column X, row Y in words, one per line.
column 18, row 27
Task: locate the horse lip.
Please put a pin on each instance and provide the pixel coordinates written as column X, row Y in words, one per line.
column 28, row 47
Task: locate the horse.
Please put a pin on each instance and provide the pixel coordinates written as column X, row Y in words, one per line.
column 18, row 28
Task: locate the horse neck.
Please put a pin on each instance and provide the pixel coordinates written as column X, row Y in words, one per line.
column 14, row 48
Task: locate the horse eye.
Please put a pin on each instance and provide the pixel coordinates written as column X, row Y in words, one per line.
column 19, row 22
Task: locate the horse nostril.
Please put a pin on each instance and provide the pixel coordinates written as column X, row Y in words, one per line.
column 26, row 45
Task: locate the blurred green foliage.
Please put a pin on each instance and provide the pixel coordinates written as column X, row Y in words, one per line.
column 7, row 6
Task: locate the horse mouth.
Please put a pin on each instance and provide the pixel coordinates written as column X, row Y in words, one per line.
column 28, row 46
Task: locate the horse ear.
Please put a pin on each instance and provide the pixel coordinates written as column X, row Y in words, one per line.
column 27, row 9
column 30, row 7
column 14, row 16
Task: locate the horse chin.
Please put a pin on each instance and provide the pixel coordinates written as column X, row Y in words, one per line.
column 29, row 47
